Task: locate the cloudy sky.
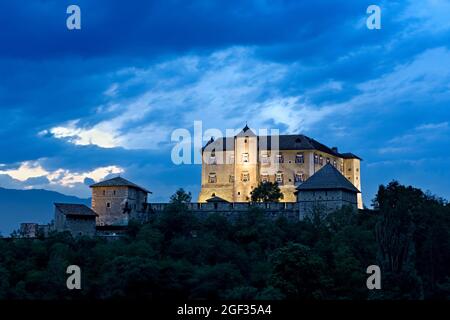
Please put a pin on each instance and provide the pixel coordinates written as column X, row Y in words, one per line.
column 78, row 106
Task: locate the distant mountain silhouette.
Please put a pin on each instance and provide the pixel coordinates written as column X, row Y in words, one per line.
column 17, row 206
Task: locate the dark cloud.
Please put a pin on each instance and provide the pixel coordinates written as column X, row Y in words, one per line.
column 51, row 75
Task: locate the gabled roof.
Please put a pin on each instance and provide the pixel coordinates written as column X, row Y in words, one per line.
column 216, row 199
column 285, row 142
column 118, row 182
column 349, row 155
column 70, row 209
column 294, row 142
column 327, row 178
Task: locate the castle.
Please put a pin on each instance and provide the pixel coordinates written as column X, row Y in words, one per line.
column 234, row 166
column 310, row 176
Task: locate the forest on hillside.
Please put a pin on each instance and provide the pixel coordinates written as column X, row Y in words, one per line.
column 177, row 256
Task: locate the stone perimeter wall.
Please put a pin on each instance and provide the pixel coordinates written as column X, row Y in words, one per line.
column 289, row 210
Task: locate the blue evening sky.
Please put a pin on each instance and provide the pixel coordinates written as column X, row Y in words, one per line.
column 78, row 106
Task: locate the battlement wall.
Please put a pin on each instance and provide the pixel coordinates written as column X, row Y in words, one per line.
column 289, row 210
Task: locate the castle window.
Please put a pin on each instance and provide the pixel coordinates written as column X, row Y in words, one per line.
column 265, row 158
column 299, row 158
column 264, row 178
column 299, row 177
column 316, row 159
column 245, row 177
column 245, row 157
column 231, row 178
column 280, row 158
column 108, row 204
column 279, row 177
column 212, row 158
column 212, row 178
column 114, row 192
column 328, row 160
column 231, row 159
column 320, row 160
column 104, row 192
column 335, row 163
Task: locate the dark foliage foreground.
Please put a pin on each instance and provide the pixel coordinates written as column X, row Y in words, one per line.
column 179, row 256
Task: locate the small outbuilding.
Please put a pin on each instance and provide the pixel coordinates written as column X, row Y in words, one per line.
column 78, row 219
column 327, row 190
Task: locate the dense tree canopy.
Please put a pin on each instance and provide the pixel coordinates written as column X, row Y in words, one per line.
column 267, row 192
column 177, row 255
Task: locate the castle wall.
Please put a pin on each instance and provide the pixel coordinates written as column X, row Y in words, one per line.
column 109, row 203
column 326, row 200
column 232, row 210
column 223, row 167
column 228, row 167
column 76, row 225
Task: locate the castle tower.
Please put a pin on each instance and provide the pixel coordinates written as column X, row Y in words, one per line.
column 246, row 171
column 116, row 200
column 352, row 171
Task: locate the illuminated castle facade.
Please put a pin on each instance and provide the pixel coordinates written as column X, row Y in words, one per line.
column 233, row 166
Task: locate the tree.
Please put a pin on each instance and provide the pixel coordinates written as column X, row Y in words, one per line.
column 267, row 192
column 181, row 197
column 298, row 272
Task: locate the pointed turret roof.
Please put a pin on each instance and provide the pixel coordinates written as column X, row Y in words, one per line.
column 246, row 132
column 327, row 178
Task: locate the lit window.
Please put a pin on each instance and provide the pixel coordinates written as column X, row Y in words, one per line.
column 335, row 163
column 231, row 159
column 212, row 178
column 264, row 178
column 280, row 158
column 212, row 158
column 299, row 177
column 320, row 160
column 231, row 179
column 245, row 177
column 316, row 159
column 299, row 158
column 245, row 157
column 279, row 177
column 328, row 160
column 265, row 158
